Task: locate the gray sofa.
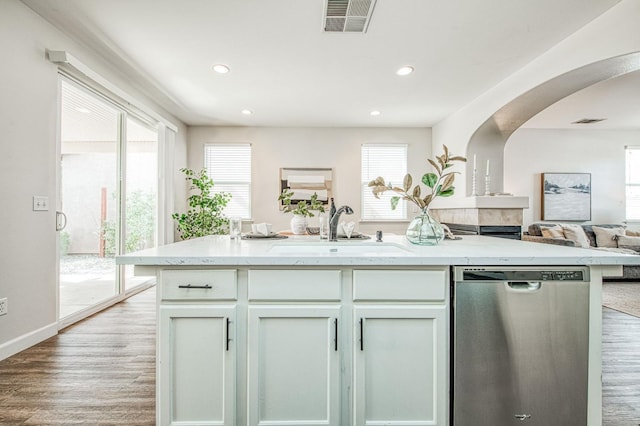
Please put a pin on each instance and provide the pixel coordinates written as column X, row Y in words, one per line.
column 534, row 234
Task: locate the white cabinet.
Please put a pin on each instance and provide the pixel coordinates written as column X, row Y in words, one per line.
column 294, row 365
column 301, row 346
column 197, row 355
column 294, row 347
column 196, row 365
column 400, row 347
column 400, row 365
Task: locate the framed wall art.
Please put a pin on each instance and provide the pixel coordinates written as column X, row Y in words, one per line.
column 566, row 196
column 304, row 182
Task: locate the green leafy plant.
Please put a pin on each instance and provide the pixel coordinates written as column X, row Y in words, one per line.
column 439, row 183
column 301, row 208
column 140, row 224
column 205, row 214
column 65, row 243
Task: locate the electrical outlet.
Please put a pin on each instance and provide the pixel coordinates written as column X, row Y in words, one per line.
column 4, row 306
column 40, row 203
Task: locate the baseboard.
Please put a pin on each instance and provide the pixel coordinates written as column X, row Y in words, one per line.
column 25, row 341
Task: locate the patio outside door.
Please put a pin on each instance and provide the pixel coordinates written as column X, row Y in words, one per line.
column 108, row 193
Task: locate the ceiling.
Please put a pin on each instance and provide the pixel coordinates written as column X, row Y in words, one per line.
column 289, row 72
column 617, row 100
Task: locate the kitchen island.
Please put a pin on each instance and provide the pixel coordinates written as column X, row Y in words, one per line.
column 299, row 331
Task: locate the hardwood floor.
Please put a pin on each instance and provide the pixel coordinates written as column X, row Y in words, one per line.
column 620, row 369
column 102, row 371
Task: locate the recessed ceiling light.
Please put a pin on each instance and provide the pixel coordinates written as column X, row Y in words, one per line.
column 83, row 110
column 247, row 112
column 221, row 68
column 375, row 113
column 405, row 70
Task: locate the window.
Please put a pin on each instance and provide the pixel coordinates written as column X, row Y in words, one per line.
column 633, row 183
column 230, row 168
column 390, row 162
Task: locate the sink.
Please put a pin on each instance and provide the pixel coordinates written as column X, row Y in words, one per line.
column 337, row 249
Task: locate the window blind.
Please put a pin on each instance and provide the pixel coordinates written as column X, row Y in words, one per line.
column 229, row 165
column 632, row 183
column 390, row 162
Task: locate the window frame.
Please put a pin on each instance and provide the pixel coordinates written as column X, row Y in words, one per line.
column 629, row 183
column 219, row 182
column 401, row 212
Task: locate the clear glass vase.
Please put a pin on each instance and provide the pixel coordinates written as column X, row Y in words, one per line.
column 424, row 230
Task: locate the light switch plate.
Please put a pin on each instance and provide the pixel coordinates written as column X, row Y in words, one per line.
column 40, row 203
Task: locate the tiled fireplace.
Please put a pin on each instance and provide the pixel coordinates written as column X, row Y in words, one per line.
column 499, row 216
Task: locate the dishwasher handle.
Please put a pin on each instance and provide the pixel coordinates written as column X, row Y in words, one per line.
column 524, row 285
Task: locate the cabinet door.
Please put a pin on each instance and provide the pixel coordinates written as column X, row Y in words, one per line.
column 400, row 366
column 196, row 365
column 294, row 374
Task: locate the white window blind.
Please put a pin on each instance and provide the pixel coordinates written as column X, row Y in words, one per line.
column 390, row 162
column 633, row 183
column 229, row 165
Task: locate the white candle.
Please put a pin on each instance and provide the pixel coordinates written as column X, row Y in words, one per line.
column 474, row 162
column 487, row 167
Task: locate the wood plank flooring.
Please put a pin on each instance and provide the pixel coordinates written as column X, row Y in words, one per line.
column 620, row 369
column 102, row 371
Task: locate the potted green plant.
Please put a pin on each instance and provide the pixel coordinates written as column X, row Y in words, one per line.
column 301, row 210
column 423, row 229
column 205, row 214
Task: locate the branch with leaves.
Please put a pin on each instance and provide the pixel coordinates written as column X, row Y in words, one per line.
column 205, row 215
column 440, row 183
column 301, row 208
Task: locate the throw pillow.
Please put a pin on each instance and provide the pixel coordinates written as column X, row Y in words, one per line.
column 632, row 233
column 552, row 231
column 605, row 237
column 576, row 234
column 632, row 243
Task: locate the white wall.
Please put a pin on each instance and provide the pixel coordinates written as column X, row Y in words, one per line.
column 613, row 33
column 28, row 124
column 530, row 152
column 338, row 148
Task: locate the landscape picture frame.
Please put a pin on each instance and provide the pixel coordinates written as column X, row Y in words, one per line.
column 566, row 196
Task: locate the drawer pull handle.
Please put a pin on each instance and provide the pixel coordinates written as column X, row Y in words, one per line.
column 228, row 337
column 206, row 286
column 335, row 325
column 361, row 334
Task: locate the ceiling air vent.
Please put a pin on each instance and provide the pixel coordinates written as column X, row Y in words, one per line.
column 348, row 16
column 589, row 121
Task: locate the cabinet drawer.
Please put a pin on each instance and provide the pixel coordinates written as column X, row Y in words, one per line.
column 294, row 285
column 199, row 285
column 399, row 285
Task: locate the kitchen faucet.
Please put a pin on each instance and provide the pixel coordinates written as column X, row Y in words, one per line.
column 334, row 217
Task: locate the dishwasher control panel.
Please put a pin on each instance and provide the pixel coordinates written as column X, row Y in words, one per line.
column 521, row 274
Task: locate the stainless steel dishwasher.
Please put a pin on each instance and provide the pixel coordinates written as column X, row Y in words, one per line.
column 520, row 346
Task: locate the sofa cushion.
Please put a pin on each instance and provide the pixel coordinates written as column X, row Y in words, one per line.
column 576, row 234
column 632, row 233
column 552, row 231
column 606, row 237
column 588, row 229
column 534, row 229
column 631, row 243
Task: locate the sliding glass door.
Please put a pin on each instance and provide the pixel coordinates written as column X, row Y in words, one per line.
column 141, row 187
column 108, row 193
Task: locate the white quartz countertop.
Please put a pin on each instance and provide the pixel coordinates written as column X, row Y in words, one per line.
column 394, row 251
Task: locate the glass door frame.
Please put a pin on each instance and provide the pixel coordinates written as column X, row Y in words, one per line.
column 120, row 190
